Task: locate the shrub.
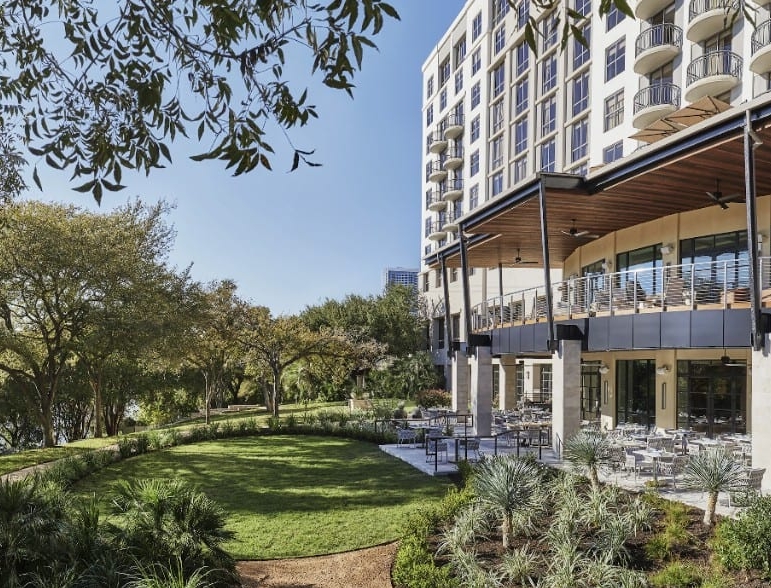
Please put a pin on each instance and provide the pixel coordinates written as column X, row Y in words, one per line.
column 156, row 440
column 433, row 397
column 745, row 542
column 414, row 566
column 126, row 446
column 142, row 443
column 674, row 537
column 678, row 575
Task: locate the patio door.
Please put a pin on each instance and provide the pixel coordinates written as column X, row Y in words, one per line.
column 590, row 391
column 712, row 397
column 636, row 392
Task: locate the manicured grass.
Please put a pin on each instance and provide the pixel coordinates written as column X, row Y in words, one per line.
column 11, row 462
column 291, row 496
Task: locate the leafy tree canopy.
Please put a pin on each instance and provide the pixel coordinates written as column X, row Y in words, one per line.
column 105, row 87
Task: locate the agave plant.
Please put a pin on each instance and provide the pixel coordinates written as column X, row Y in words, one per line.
column 712, row 471
column 587, row 450
column 505, row 485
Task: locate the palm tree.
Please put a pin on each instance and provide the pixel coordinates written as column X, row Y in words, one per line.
column 166, row 520
column 505, row 485
column 712, row 471
column 587, row 449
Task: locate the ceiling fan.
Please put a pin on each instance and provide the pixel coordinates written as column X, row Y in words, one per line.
column 574, row 232
column 519, row 261
column 727, row 362
column 721, row 198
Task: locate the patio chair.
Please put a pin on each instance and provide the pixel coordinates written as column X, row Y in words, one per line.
column 435, row 447
column 748, row 488
column 469, row 448
column 673, row 468
column 406, row 437
column 637, row 463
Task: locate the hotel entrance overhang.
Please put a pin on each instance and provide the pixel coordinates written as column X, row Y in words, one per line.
column 710, row 182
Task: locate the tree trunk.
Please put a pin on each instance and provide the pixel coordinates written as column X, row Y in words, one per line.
column 276, row 399
column 46, row 421
column 709, row 512
column 506, row 526
column 96, row 386
column 593, row 478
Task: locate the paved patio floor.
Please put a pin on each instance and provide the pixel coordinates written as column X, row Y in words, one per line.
column 416, row 456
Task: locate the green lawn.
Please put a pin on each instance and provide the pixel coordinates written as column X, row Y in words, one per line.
column 290, row 496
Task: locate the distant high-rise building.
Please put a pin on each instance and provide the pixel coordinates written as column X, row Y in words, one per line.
column 400, row 275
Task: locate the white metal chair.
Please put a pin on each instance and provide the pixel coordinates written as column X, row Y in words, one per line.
column 435, row 448
column 406, row 437
column 673, row 468
column 748, row 487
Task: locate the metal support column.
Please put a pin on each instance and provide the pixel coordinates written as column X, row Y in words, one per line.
column 752, row 230
column 447, row 316
column 551, row 342
column 465, row 282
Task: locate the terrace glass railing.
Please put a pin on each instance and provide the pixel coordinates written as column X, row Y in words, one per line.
column 720, row 284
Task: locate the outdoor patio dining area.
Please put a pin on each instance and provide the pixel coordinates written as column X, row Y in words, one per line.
column 638, row 460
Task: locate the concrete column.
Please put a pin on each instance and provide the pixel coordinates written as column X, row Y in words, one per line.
column 761, row 408
column 566, row 391
column 507, row 383
column 460, row 382
column 482, row 390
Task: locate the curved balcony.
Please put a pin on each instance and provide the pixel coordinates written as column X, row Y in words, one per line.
column 760, row 62
column 454, row 190
column 656, row 46
column 709, row 17
column 453, row 126
column 451, row 222
column 436, row 232
column 435, row 200
column 644, row 9
column 712, row 74
column 454, row 157
column 655, row 102
column 436, row 141
column 438, row 173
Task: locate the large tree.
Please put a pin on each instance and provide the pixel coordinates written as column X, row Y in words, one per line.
column 61, row 268
column 103, row 87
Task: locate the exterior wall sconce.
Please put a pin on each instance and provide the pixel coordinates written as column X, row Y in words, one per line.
column 666, row 249
column 605, row 392
column 604, row 369
column 662, row 370
column 663, row 395
column 607, row 266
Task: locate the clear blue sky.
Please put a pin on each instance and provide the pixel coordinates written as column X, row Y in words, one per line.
column 294, row 239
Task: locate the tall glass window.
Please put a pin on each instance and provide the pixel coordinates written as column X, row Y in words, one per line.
column 523, row 57
column 590, row 392
column 636, row 392
column 521, row 96
column 581, row 51
column 720, row 262
column 635, row 272
column 615, row 59
column 548, row 73
column 476, row 27
column 548, row 156
column 712, row 397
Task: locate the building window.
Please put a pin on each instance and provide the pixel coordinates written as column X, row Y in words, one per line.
column 522, row 58
column 550, row 31
column 429, row 196
column 520, row 136
column 548, row 73
column 426, row 280
column 548, row 156
column 613, row 152
column 475, row 128
column 500, row 39
column 614, row 110
column 521, row 96
column 474, row 169
column 429, row 115
column 548, row 116
column 497, row 182
column 498, row 80
column 579, row 139
column 545, row 391
column 476, row 95
column 460, row 51
column 496, row 116
column 473, row 197
column 439, row 327
column 476, row 27
column 443, row 99
column 581, row 52
column 427, row 227
column 429, row 166
column 430, row 86
column 444, row 72
column 476, row 61
column 523, row 13
column 496, row 152
column 583, row 7
column 520, row 169
column 458, row 80
column 580, row 93
column 614, row 59
column 613, row 17
column 500, row 9
column 453, row 274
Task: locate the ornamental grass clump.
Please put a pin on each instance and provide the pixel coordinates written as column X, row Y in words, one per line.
column 712, row 471
column 587, row 450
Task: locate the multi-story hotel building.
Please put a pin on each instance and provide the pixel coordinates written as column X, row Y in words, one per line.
column 604, row 208
column 400, row 275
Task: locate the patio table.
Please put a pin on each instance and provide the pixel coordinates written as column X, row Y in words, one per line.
column 655, row 455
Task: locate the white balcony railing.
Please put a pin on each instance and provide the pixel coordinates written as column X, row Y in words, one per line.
column 716, row 285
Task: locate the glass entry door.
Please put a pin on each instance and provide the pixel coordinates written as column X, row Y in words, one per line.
column 636, row 392
column 590, row 392
column 712, row 397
